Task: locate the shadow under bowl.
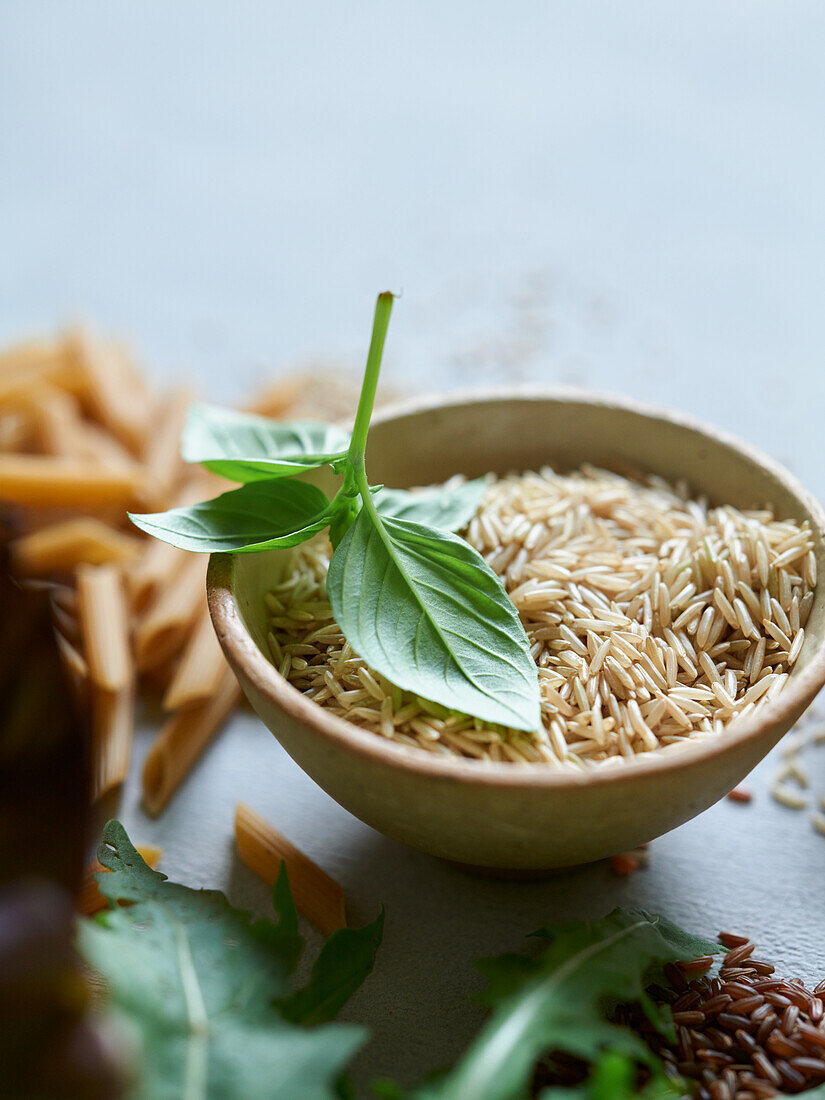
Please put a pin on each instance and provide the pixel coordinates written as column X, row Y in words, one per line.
column 532, row 816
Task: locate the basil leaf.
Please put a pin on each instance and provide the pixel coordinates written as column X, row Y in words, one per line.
column 425, row 610
column 244, row 447
column 198, row 984
column 449, row 509
column 258, row 516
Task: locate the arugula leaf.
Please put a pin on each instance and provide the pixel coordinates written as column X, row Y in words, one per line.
column 244, row 447
column 194, row 980
column 448, row 509
column 258, row 516
column 425, row 610
column 557, row 1002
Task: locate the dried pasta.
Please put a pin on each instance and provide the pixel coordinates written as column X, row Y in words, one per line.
column 181, row 741
column 263, row 849
column 104, row 626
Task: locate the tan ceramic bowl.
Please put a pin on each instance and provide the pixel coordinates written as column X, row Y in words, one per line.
column 524, row 816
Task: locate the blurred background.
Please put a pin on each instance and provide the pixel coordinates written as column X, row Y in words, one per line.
column 621, row 196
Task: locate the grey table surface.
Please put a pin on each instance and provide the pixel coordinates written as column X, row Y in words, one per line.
column 625, row 197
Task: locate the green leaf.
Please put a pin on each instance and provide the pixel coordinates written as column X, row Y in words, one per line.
column 244, row 447
column 425, row 610
column 558, row 1002
column 258, row 516
column 345, row 960
column 194, row 981
column 448, row 509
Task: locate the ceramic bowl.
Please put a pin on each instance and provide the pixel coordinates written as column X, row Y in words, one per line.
column 534, row 816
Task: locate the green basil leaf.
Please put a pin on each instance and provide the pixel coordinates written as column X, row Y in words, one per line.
column 258, row 516
column 449, row 509
column 244, row 447
column 425, row 610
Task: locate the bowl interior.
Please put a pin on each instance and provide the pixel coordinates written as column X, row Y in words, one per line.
column 428, row 442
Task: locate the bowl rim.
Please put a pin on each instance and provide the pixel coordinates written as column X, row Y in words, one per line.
column 244, row 654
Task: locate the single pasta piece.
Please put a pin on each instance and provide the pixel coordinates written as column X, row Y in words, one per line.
column 160, row 561
column 165, row 625
column 200, row 670
column 33, row 363
column 89, row 898
column 62, row 431
column 116, row 397
column 181, row 741
column 276, row 400
column 113, row 719
column 76, row 668
column 104, row 626
column 263, row 849
column 49, row 481
column 162, row 462
column 16, row 429
column 60, row 547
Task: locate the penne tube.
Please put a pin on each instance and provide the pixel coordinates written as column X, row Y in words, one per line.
column 182, row 740
column 51, row 482
column 162, row 462
column 67, row 624
column 114, row 397
column 89, row 898
column 159, row 561
column 165, row 625
column 76, row 668
column 36, row 363
column 276, row 400
column 112, row 727
column 104, row 626
column 60, row 547
column 16, row 429
column 201, row 667
column 263, row 849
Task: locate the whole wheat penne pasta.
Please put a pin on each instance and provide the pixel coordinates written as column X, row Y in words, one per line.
column 113, row 719
column 104, row 626
column 263, row 849
column 64, row 432
column 16, row 429
column 35, row 363
column 76, row 668
column 47, row 481
column 67, row 624
column 164, row 467
column 60, row 547
column 182, row 740
column 276, row 400
column 89, row 898
column 161, row 560
column 165, row 625
column 200, row 670
column 113, row 396
column 145, row 576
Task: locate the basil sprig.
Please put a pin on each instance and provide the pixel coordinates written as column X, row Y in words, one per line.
column 415, row 601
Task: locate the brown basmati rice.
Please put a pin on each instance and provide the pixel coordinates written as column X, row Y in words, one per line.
column 652, row 618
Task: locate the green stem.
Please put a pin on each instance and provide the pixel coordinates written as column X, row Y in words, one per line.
column 358, row 443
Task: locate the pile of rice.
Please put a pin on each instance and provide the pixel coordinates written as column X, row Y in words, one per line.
column 652, row 619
